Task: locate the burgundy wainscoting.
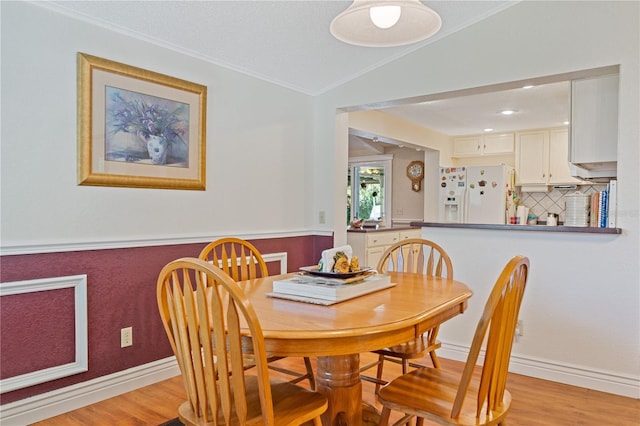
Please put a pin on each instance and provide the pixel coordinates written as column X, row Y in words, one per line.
column 47, row 322
column 121, row 286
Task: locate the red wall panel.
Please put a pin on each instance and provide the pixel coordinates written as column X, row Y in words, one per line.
column 40, row 329
column 121, row 293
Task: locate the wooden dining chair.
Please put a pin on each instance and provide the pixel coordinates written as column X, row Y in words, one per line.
column 418, row 256
column 242, row 261
column 450, row 399
column 206, row 316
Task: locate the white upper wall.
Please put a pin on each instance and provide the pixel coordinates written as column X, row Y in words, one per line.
column 582, row 306
column 257, row 133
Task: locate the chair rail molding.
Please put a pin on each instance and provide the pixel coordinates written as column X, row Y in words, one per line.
column 62, row 246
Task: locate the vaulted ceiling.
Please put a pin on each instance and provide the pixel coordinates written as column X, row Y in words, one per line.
column 288, row 43
column 283, row 41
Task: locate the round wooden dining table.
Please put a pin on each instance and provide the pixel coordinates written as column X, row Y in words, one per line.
column 338, row 333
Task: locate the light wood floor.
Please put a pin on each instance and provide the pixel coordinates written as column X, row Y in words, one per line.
column 535, row 403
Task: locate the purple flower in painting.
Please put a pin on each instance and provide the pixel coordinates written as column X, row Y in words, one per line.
column 132, row 114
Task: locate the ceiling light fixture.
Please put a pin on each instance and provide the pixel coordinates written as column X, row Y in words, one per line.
column 385, row 16
column 385, row 23
column 508, row 112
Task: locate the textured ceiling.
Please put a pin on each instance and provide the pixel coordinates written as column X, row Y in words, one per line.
column 285, row 42
column 288, row 43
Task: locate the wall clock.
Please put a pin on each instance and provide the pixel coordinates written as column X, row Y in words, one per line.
column 415, row 172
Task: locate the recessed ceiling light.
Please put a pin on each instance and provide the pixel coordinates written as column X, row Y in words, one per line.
column 508, row 111
column 488, row 129
column 529, row 86
column 566, row 122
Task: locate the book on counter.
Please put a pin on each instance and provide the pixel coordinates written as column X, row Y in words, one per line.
column 613, row 204
column 604, row 206
column 329, row 290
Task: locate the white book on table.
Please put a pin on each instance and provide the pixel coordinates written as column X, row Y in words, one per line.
column 321, row 288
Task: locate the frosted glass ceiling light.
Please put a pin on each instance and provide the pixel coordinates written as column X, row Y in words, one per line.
column 385, row 23
column 385, row 16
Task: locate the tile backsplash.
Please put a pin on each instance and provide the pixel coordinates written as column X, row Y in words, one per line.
column 541, row 203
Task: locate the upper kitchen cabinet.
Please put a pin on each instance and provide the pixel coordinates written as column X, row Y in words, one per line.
column 594, row 126
column 474, row 146
column 542, row 158
column 532, row 158
column 559, row 167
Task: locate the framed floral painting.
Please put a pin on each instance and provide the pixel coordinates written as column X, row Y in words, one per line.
column 138, row 128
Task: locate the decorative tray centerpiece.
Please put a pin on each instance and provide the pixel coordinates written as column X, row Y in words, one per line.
column 337, row 277
column 315, row 270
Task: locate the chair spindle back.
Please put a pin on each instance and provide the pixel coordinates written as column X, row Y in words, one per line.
column 418, row 256
column 203, row 310
column 236, row 257
column 499, row 320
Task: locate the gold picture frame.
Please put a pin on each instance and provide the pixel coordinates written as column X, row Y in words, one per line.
column 138, row 128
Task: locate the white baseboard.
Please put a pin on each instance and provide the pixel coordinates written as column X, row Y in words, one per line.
column 50, row 404
column 562, row 373
column 60, row 401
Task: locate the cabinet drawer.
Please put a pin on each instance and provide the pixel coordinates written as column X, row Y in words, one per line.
column 382, row 239
column 414, row 233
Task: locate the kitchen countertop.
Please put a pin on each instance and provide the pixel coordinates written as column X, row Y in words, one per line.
column 534, row 228
column 383, row 229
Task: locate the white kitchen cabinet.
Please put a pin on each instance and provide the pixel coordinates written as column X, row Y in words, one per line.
column 559, row 169
column 474, row 146
column 498, row 144
column 369, row 246
column 532, row 158
column 467, row 146
column 593, row 145
column 594, row 120
column 542, row 158
column 411, row 233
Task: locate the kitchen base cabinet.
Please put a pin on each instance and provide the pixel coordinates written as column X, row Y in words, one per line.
column 369, row 245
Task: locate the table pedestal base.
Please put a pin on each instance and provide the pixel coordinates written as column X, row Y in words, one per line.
column 338, row 378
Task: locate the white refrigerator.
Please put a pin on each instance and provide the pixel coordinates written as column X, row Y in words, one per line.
column 488, row 190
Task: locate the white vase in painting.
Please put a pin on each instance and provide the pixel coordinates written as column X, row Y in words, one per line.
column 158, row 148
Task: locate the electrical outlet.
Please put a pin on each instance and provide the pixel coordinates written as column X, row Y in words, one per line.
column 126, row 337
column 321, row 217
column 519, row 331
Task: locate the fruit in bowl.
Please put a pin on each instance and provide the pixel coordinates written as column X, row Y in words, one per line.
column 356, row 223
